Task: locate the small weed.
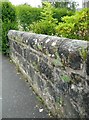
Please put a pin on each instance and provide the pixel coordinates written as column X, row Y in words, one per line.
column 57, row 61
column 40, row 99
column 59, row 101
column 83, row 52
column 65, row 78
column 40, row 47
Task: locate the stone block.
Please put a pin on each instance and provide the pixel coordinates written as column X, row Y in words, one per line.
column 53, row 68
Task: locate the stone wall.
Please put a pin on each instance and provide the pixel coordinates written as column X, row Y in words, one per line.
column 56, row 69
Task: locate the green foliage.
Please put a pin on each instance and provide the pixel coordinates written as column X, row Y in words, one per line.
column 83, row 52
column 50, row 17
column 39, row 47
column 43, row 27
column 58, row 13
column 65, row 78
column 59, row 100
column 26, row 15
column 75, row 26
column 47, row 23
column 57, row 62
column 8, row 22
column 47, row 12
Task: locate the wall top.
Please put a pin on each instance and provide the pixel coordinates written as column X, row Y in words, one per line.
column 47, row 41
column 67, row 49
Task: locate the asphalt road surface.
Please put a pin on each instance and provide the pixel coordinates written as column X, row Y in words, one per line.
column 18, row 99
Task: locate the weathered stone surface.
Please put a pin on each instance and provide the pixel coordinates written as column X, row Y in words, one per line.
column 75, row 60
column 56, row 70
column 46, row 69
column 69, row 53
column 17, row 48
column 87, row 64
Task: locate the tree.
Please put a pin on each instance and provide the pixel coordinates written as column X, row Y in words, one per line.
column 26, row 15
column 47, row 12
column 47, row 23
column 71, row 5
column 58, row 13
column 8, row 22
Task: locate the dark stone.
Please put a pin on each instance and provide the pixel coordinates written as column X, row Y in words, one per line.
column 32, row 40
column 73, row 94
column 76, row 78
column 87, row 64
column 86, row 104
column 25, row 38
column 25, row 53
column 75, row 60
column 33, row 58
column 88, row 82
column 48, row 46
column 44, row 48
column 44, row 68
column 62, row 86
column 19, row 50
column 65, row 87
column 45, row 59
column 28, row 53
column 63, row 53
column 17, row 47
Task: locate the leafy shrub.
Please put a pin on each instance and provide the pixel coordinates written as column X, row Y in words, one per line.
column 47, row 23
column 75, row 26
column 8, row 22
column 27, row 14
column 58, row 13
column 43, row 27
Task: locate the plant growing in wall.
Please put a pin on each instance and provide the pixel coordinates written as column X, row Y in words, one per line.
column 84, row 52
column 59, row 100
column 57, row 61
column 65, row 78
column 39, row 46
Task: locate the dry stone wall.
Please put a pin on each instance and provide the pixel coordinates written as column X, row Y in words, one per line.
column 57, row 70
